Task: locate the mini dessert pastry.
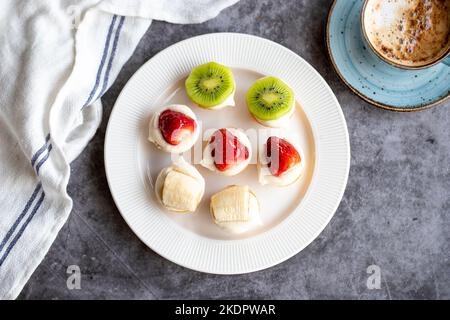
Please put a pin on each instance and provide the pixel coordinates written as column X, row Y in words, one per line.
column 180, row 187
column 235, row 209
column 174, row 128
column 211, row 86
column 279, row 163
column 271, row 102
column 228, row 152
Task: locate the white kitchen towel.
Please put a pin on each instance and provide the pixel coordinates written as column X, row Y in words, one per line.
column 57, row 58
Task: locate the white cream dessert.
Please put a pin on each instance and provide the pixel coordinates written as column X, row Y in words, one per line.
column 174, row 128
column 281, row 122
column 271, row 102
column 211, row 86
column 228, row 152
column 280, row 163
column 180, row 187
column 228, row 102
column 235, row 209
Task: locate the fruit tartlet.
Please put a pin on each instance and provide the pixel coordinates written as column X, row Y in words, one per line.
column 271, row 102
column 211, row 86
column 180, row 187
column 228, row 152
column 280, row 163
column 235, row 209
column 174, row 128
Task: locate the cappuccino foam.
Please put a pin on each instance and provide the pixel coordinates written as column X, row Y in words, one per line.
column 409, row 32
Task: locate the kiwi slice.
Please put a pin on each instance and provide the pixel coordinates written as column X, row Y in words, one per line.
column 269, row 98
column 209, row 84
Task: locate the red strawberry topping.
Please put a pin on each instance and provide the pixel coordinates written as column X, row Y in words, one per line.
column 227, row 150
column 175, row 126
column 281, row 155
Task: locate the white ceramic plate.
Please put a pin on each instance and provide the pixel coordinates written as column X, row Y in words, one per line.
column 293, row 216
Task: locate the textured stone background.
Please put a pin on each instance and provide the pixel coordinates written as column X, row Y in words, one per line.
column 395, row 212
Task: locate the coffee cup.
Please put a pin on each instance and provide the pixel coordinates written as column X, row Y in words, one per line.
column 409, row 34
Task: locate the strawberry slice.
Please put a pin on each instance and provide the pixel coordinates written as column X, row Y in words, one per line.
column 281, row 155
column 227, row 150
column 175, row 126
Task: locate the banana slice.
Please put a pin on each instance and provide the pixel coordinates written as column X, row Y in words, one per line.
column 235, row 209
column 180, row 187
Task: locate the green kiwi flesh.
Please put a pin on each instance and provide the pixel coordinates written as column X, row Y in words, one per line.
column 269, row 98
column 210, row 84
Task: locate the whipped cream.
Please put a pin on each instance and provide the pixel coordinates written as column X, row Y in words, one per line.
column 280, row 122
column 288, row 177
column 208, row 160
column 155, row 135
column 228, row 102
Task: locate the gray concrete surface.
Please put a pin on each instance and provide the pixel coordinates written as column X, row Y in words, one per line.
column 395, row 212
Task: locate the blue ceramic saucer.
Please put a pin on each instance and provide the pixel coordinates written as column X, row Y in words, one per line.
column 374, row 80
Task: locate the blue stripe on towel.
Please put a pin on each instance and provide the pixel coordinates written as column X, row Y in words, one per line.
column 111, row 58
column 102, row 62
column 22, row 229
column 20, row 217
column 33, row 196
column 39, row 152
column 28, row 204
column 40, row 163
column 49, row 147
